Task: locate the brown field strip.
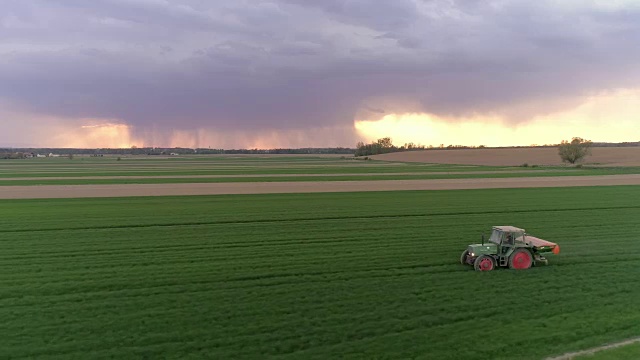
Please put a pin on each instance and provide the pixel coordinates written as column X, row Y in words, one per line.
column 127, row 190
column 605, row 156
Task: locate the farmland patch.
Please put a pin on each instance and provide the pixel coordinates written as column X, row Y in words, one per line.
column 315, row 275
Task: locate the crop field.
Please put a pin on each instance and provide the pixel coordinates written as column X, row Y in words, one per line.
column 216, row 165
column 251, row 169
column 315, row 276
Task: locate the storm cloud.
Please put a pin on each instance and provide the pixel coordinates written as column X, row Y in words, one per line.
column 290, row 65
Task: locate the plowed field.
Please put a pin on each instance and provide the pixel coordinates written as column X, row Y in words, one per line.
column 603, row 156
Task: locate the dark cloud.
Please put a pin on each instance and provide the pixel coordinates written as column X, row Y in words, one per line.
column 295, row 64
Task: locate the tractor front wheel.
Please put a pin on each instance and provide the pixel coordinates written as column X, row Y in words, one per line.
column 484, row 263
column 463, row 257
column 520, row 259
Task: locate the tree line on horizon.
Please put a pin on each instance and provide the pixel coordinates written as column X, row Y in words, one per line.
column 571, row 152
column 19, row 153
column 385, row 145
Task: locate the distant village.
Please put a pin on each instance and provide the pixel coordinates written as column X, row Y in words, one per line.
column 24, row 155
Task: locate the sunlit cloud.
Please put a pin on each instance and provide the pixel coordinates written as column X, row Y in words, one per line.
column 606, row 117
column 97, row 134
column 29, row 130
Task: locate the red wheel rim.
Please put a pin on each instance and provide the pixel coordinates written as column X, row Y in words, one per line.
column 521, row 260
column 486, row 264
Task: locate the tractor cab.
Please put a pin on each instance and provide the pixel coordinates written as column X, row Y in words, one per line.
column 506, row 238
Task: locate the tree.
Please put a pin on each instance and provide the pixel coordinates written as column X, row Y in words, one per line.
column 575, row 150
column 380, row 146
column 385, row 143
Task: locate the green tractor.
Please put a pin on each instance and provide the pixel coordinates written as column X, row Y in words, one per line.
column 508, row 246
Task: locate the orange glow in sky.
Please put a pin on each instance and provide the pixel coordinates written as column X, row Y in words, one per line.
column 613, row 117
column 96, row 134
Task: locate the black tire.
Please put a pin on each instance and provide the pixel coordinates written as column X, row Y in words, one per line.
column 481, row 263
column 516, row 259
column 463, row 257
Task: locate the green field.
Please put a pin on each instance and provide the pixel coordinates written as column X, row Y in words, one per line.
column 219, row 165
column 303, row 276
column 62, row 171
column 178, row 180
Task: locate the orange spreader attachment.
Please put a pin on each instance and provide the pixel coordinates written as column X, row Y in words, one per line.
column 543, row 243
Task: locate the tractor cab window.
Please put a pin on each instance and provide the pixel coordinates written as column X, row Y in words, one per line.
column 509, row 239
column 496, row 237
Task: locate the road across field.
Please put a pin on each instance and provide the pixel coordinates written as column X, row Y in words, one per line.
column 127, row 190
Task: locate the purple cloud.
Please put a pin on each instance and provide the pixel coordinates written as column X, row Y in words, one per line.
column 293, row 64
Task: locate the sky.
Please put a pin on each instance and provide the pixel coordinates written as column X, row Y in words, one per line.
column 298, row 73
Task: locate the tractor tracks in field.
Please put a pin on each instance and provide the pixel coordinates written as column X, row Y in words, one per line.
column 307, row 219
column 572, row 355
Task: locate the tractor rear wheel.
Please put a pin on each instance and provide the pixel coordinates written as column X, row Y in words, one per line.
column 463, row 257
column 520, row 259
column 484, row 263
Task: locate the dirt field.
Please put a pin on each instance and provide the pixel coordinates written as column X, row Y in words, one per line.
column 608, row 156
column 83, row 191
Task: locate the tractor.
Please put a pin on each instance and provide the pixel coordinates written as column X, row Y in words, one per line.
column 508, row 246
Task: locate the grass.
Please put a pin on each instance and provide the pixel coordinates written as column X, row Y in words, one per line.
column 355, row 275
